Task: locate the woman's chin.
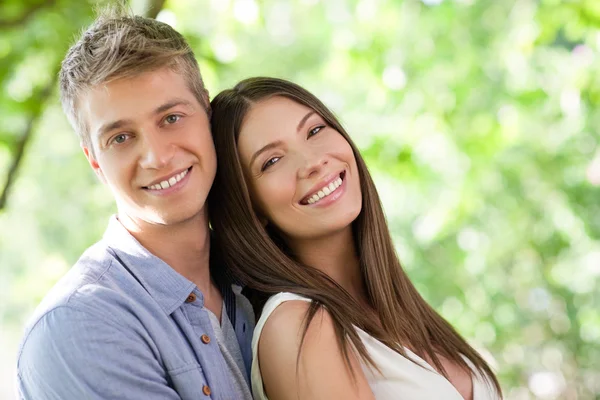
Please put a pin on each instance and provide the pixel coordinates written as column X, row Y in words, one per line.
column 322, row 231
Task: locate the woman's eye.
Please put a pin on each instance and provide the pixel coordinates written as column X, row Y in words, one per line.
column 270, row 162
column 315, row 130
column 171, row 119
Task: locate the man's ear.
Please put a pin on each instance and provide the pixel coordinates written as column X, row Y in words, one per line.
column 206, row 103
column 93, row 163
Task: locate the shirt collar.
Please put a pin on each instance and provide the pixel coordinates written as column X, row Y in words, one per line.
column 166, row 286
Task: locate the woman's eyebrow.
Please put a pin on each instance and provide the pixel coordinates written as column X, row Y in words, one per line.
column 304, row 119
column 269, row 146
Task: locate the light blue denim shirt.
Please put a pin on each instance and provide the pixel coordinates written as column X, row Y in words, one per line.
column 122, row 324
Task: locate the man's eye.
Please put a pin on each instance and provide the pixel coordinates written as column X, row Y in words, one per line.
column 120, row 138
column 270, row 162
column 171, row 119
column 315, row 130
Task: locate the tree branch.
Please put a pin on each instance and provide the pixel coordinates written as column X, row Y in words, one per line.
column 25, row 137
column 154, row 7
column 7, row 24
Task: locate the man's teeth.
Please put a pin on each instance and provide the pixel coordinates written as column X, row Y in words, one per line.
column 167, row 184
column 325, row 191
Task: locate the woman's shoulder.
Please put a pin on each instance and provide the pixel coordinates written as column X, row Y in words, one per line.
column 281, row 308
column 282, row 322
column 319, row 366
column 283, row 328
column 283, row 314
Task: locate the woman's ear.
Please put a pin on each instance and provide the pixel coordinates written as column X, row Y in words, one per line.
column 263, row 221
column 261, row 218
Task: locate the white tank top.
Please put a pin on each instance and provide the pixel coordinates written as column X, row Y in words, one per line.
column 399, row 378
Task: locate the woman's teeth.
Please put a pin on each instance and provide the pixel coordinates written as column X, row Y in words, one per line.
column 325, row 191
column 167, row 184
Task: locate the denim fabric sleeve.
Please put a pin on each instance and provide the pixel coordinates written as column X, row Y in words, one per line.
column 74, row 354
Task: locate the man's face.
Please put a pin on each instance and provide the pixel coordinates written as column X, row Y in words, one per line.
column 151, row 144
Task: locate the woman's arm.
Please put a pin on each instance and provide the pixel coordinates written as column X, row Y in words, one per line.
column 321, row 372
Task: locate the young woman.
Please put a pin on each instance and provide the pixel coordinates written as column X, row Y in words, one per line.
column 297, row 217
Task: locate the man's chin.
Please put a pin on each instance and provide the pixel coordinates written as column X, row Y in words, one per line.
column 147, row 216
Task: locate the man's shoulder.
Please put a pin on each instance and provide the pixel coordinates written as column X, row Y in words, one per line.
column 90, row 287
column 78, row 333
column 91, row 267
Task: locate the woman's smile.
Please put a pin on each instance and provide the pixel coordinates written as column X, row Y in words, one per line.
column 327, row 193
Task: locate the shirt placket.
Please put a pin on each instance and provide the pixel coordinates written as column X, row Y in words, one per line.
column 206, row 347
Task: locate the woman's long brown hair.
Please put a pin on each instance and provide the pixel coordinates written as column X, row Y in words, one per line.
column 259, row 257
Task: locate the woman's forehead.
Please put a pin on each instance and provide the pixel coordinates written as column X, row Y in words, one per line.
column 275, row 106
column 272, row 116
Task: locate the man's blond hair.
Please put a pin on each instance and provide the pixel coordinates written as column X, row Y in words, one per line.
column 121, row 45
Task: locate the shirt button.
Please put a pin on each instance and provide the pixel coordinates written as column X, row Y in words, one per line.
column 191, row 298
column 205, row 339
column 206, row 390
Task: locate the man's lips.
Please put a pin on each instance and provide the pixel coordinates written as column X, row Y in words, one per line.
column 168, row 180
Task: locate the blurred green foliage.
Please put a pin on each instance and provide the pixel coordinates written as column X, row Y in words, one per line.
column 478, row 119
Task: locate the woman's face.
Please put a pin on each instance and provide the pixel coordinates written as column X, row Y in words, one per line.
column 302, row 173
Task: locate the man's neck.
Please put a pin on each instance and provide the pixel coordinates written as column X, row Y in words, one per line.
column 184, row 246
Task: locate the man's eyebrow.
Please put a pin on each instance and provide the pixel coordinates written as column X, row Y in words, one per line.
column 111, row 126
column 304, row 119
column 170, row 104
column 104, row 129
column 265, row 148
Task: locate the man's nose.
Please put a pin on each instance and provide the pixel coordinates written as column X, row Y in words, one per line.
column 157, row 151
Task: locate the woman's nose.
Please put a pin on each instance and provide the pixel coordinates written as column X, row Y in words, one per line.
column 312, row 164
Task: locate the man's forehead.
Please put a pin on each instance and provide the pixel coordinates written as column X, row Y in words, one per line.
column 109, row 103
column 142, row 90
column 97, row 109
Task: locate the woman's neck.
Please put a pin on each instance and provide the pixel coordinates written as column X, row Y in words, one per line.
column 336, row 256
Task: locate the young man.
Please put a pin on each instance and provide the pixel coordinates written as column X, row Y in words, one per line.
column 146, row 313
